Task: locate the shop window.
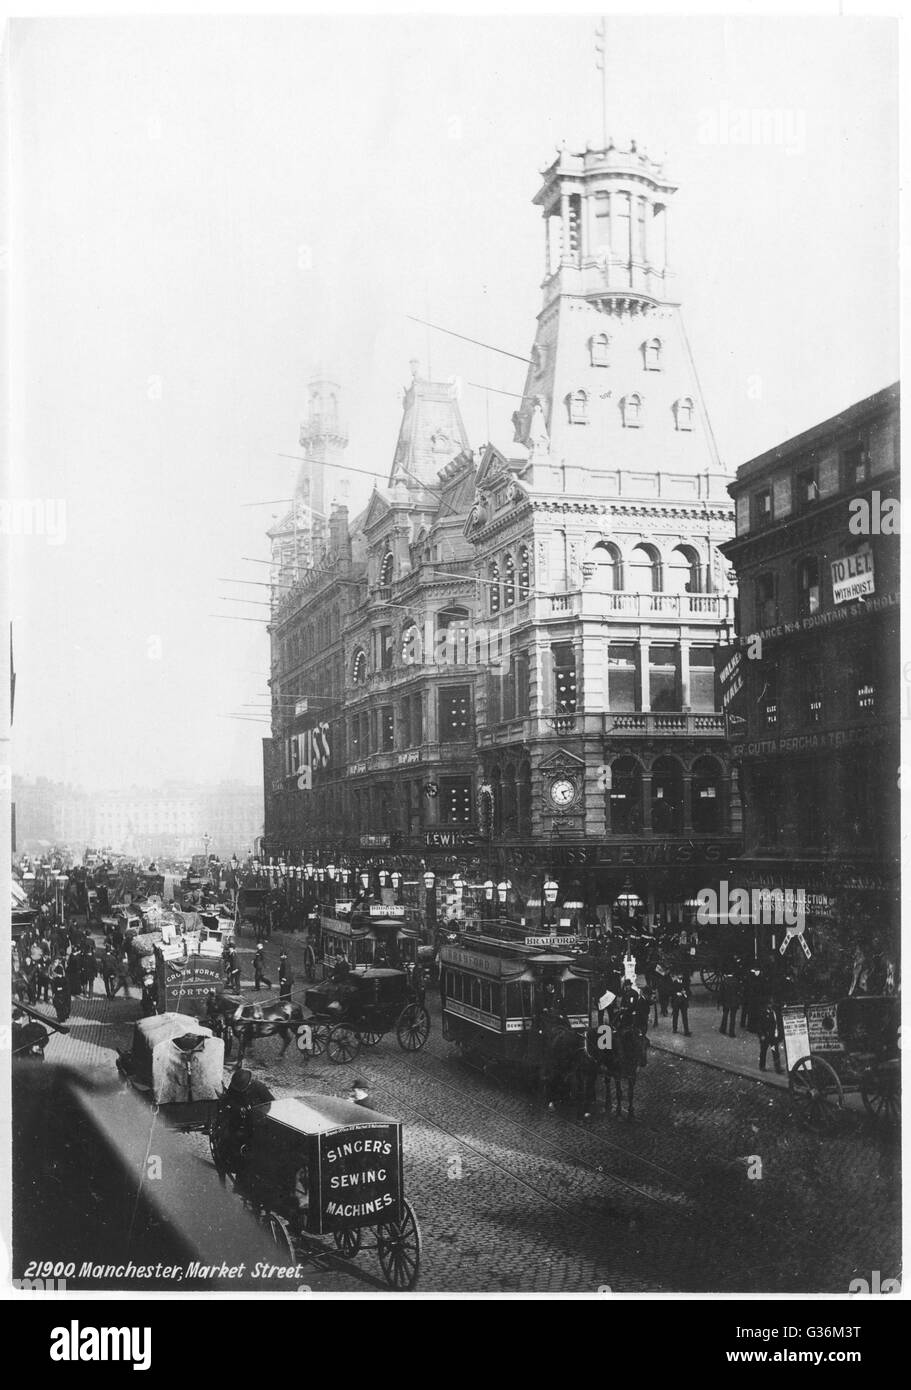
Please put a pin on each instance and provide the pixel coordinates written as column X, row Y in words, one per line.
column 455, row 801
column 808, row 586
column 766, row 605
column 455, row 713
column 702, row 679
column 625, row 796
column 762, row 507
column 621, row 676
column 663, row 683
column 564, row 659
column 812, row 692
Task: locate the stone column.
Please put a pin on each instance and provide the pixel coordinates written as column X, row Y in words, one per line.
column 687, row 803
column 644, row 695
column 647, row 803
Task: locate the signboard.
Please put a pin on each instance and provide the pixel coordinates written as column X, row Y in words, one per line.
column 447, row 839
column 194, row 981
column 852, row 577
column 359, row 1177
column 387, row 910
column 300, row 707
column 374, row 842
column 822, row 1026
column 796, row 1033
column 551, row 941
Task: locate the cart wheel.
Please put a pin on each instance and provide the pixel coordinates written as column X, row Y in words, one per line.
column 310, row 965
column 367, row 1038
column 816, row 1091
column 280, row 1231
column 881, row 1092
column 348, row 1243
column 711, row 979
column 399, row 1249
column 413, row 1028
column 320, row 1038
column 342, row 1045
column 218, row 1137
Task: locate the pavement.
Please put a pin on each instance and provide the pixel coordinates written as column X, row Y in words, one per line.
column 706, row 1044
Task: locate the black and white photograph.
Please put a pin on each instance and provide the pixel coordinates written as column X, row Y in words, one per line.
column 451, row 509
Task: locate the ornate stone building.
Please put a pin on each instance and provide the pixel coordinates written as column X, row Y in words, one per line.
column 597, row 549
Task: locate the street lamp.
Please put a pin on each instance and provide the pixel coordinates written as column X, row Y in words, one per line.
column 503, row 888
column 551, row 889
column 383, row 877
column 488, row 890
column 396, row 879
column 331, row 871
column 365, row 879
column 430, row 879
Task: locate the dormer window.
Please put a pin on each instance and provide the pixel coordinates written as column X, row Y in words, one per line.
column 631, row 407
column 578, row 408
column 651, row 354
column 683, row 413
column 599, row 346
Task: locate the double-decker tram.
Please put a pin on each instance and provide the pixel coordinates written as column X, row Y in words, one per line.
column 499, row 982
column 378, row 934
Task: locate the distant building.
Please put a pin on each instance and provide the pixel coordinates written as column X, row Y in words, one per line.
column 816, row 716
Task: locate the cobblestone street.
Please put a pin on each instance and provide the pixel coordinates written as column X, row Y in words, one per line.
column 512, row 1197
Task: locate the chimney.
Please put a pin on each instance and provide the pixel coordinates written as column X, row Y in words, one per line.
column 339, row 539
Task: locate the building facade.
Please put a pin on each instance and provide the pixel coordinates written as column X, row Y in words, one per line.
column 815, row 685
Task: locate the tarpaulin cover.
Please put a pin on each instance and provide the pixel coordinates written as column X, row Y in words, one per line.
column 178, row 1058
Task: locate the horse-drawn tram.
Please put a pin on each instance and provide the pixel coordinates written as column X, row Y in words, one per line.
column 380, row 934
column 500, row 981
column 320, row 1166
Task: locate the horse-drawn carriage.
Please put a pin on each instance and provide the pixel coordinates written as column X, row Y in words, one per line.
column 320, row 1166
column 357, row 1008
column 834, row 1050
column 253, row 907
column 177, row 1065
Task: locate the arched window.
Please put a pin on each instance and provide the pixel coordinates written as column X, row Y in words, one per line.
column 607, row 567
column 683, row 413
column 578, row 407
column 386, row 569
column 624, row 796
column 411, row 644
column 524, row 573
column 509, row 581
column 667, row 796
column 493, row 586
column 599, row 346
column 359, row 667
column 631, row 410
column 706, row 796
column 651, row 354
column 452, row 637
column 684, row 571
column 644, row 570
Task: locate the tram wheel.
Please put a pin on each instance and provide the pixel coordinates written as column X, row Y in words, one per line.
column 398, row 1246
column 342, row 1045
column 348, row 1243
column 413, row 1028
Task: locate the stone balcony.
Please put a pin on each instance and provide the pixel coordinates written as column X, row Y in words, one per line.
column 614, row 604
column 648, row 724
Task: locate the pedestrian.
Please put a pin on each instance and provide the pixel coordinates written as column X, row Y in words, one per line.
column 771, row 1036
column 748, row 980
column 109, row 970
column 149, row 995
column 232, row 969
column 284, row 978
column 259, row 968
column 60, row 990
column 728, row 999
column 74, row 971
column 359, row 1094
column 680, row 1001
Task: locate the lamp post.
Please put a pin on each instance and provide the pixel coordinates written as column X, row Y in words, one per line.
column 551, row 889
column 503, row 888
column 430, row 902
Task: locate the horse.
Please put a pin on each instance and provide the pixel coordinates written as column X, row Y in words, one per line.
column 571, row 1065
column 253, row 1021
column 623, row 1060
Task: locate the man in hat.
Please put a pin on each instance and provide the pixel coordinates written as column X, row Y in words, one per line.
column 232, row 969
column 238, row 1105
column 284, row 978
column 359, row 1093
column 259, row 968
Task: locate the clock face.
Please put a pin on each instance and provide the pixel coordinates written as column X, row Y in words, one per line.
column 562, row 792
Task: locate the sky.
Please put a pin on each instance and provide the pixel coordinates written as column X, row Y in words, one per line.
column 204, row 211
